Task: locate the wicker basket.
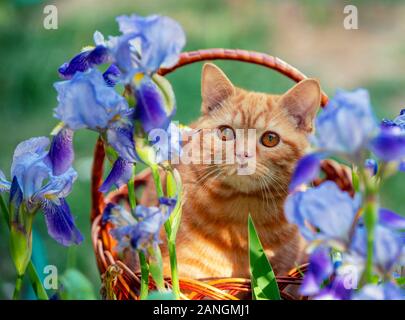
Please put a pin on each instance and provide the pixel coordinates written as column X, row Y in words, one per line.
column 124, row 282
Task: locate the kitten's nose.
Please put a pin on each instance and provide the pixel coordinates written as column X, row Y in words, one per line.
column 244, row 154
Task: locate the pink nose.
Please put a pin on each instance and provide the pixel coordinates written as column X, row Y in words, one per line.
column 243, row 154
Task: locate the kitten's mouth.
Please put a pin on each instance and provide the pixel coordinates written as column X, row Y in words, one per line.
column 243, row 165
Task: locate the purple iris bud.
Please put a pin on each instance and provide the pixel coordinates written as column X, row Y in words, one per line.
column 111, row 75
column 147, row 43
column 86, row 101
column 61, row 153
column 307, row 170
column 346, row 124
column 60, row 223
column 389, row 144
column 401, row 166
column 84, row 61
column 120, row 174
column 371, row 166
column 152, row 109
column 324, row 213
column 320, row 269
column 384, row 291
column 391, row 219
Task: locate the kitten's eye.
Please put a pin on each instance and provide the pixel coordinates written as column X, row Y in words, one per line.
column 270, row 139
column 226, row 133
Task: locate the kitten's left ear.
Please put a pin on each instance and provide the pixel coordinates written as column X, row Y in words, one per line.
column 302, row 102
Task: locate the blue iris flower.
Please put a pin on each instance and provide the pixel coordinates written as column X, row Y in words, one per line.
column 142, row 231
column 346, row 124
column 86, row 101
column 323, row 214
column 147, row 43
column 38, row 182
column 344, row 127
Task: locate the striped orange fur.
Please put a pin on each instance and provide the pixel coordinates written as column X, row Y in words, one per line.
column 212, row 240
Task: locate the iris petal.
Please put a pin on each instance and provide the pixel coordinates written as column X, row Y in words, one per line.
column 162, row 40
column 323, row 213
column 121, row 139
column 4, row 184
column 120, row 174
column 391, row 219
column 61, row 153
column 320, row 268
column 307, row 170
column 60, row 223
column 346, row 124
column 111, row 75
column 86, row 101
column 84, row 61
column 150, row 108
column 389, row 144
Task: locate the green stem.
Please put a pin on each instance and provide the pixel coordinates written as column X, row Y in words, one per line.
column 18, row 287
column 370, row 221
column 174, row 271
column 142, row 258
column 131, row 192
column 157, row 180
column 36, row 282
column 171, row 244
column 144, row 276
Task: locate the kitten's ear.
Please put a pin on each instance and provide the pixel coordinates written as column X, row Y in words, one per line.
column 302, row 102
column 215, row 87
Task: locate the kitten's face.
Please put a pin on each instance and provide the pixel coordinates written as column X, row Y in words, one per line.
column 255, row 138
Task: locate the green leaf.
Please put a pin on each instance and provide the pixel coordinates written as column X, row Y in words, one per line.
column 75, row 286
column 263, row 279
column 156, row 267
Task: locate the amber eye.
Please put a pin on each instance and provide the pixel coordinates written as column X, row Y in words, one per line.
column 226, row 133
column 270, row 139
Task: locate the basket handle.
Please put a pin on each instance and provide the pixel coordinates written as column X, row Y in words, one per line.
column 186, row 58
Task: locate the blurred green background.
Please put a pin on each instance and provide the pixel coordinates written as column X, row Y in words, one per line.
column 308, row 34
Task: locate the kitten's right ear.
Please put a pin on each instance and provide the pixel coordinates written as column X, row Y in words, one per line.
column 215, row 87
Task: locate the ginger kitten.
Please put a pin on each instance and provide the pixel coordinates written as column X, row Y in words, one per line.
column 213, row 237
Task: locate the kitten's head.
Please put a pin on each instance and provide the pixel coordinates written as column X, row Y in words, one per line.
column 248, row 159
